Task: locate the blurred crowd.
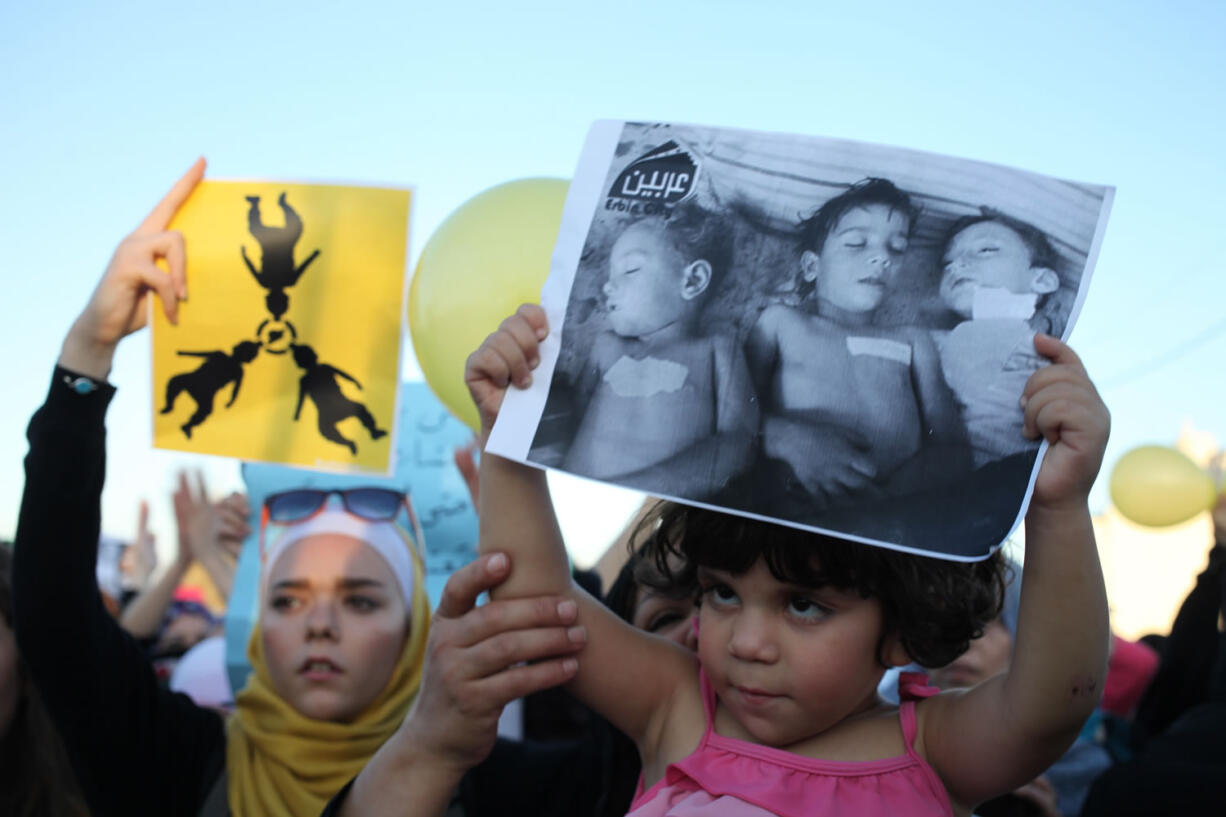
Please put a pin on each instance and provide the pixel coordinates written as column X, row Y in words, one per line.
column 1155, row 745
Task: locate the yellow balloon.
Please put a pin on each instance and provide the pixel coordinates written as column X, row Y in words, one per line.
column 1158, row 486
column 488, row 257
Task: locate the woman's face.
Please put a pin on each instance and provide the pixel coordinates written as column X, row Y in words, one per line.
column 334, row 624
column 668, row 616
column 10, row 681
column 986, row 657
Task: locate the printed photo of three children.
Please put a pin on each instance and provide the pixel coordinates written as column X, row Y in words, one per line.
column 830, row 334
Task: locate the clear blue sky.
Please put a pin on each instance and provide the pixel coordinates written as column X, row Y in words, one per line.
column 103, row 105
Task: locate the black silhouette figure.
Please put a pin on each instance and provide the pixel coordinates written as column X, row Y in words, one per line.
column 277, row 271
column 321, row 385
column 213, row 374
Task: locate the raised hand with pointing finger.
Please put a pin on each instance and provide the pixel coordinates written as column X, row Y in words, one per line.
column 119, row 304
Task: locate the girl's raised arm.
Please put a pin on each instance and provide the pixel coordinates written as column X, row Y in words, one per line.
column 1006, row 731
column 626, row 675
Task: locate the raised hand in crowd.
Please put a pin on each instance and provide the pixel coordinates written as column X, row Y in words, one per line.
column 142, row 617
column 119, row 304
column 210, row 533
column 139, row 559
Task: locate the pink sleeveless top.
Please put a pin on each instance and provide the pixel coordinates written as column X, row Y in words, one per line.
column 726, row 777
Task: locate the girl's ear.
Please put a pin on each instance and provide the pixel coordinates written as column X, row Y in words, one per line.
column 893, row 653
column 695, row 279
column 810, row 265
column 1043, row 280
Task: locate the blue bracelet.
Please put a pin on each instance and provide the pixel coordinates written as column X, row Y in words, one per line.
column 81, row 384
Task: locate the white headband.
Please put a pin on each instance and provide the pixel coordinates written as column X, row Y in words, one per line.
column 387, row 539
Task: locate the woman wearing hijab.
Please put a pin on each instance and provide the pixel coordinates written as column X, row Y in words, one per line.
column 338, row 649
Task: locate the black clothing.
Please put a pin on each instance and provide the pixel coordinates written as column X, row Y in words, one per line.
column 136, row 748
column 594, row 776
column 1180, row 772
column 1180, row 765
column 1185, row 673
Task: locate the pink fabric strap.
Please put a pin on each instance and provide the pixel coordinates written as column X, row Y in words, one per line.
column 912, row 686
column 708, row 703
column 728, row 777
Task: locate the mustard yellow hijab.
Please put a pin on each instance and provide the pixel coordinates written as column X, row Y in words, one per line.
column 280, row 762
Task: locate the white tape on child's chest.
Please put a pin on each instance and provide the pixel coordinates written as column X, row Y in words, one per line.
column 996, row 303
column 645, row 378
column 880, row 347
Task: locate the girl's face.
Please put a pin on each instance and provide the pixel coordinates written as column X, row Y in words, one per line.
column 858, row 263
column 10, row 681
column 789, row 662
column 334, row 624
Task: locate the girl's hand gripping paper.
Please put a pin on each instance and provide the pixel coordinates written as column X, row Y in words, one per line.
column 1061, row 405
column 507, row 357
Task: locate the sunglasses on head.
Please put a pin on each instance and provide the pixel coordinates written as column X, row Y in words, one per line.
column 373, row 504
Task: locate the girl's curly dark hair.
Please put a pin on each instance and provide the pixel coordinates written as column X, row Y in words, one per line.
column 935, row 606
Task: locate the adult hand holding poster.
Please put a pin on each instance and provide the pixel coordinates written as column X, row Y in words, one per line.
column 823, row 333
column 288, row 350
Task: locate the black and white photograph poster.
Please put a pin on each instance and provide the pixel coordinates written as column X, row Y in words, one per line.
column 824, row 333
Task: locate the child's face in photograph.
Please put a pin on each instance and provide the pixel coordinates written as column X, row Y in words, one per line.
column 858, row 262
column 643, row 290
column 986, row 254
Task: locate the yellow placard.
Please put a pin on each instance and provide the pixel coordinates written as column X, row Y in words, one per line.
column 295, row 296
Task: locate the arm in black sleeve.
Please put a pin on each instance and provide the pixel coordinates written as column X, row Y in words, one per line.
column 1217, row 683
column 136, row 748
column 1187, row 656
column 591, row 776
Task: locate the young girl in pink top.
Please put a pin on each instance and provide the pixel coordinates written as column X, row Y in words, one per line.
column 779, row 714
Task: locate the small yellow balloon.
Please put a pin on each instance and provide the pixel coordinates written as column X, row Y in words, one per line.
column 488, row 257
column 1158, row 486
